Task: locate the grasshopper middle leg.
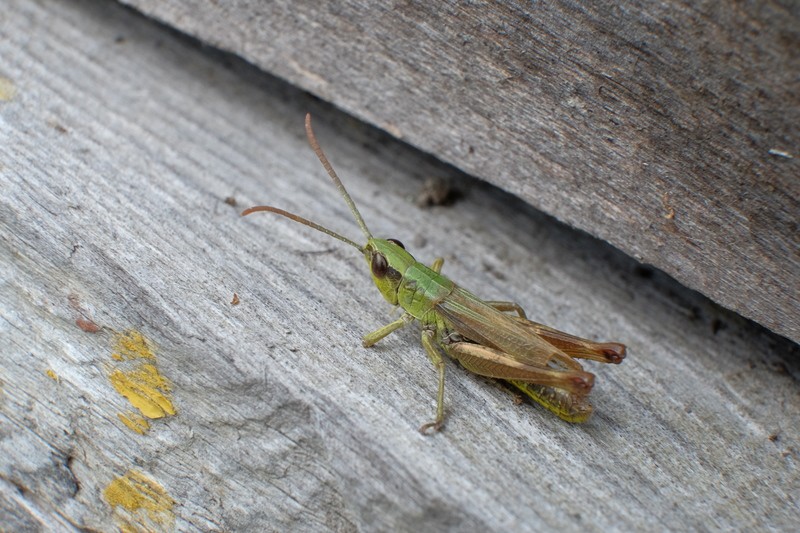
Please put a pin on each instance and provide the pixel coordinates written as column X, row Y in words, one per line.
column 429, row 343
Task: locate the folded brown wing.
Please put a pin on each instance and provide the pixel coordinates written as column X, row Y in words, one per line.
column 573, row 346
column 481, row 323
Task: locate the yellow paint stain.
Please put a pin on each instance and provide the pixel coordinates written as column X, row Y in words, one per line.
column 146, row 389
column 52, row 375
column 7, row 89
column 132, row 345
column 137, row 378
column 135, row 422
column 140, row 504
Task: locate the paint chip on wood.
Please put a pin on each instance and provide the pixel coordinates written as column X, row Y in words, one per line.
column 138, row 379
column 135, row 422
column 130, row 345
column 140, row 504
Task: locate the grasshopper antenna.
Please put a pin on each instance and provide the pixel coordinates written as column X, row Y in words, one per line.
column 312, row 140
column 303, row 221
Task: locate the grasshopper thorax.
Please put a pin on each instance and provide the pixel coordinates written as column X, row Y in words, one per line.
column 388, row 261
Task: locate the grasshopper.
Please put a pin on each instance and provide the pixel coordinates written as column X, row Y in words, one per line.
column 490, row 338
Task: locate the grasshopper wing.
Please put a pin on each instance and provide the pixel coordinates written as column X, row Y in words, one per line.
column 479, row 322
column 604, row 352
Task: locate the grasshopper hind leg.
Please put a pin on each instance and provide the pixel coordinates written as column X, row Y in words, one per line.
column 562, row 388
column 505, row 307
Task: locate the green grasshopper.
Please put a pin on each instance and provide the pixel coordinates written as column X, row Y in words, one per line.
column 481, row 335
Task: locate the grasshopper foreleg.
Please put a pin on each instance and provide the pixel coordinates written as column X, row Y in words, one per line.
column 429, row 343
column 373, row 337
column 437, row 265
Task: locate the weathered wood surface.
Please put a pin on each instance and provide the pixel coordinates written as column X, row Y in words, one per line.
column 120, row 143
column 657, row 126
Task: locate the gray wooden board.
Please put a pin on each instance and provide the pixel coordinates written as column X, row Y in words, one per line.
column 657, row 126
column 118, row 150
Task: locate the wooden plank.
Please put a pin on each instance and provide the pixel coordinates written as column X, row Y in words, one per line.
column 119, row 258
column 671, row 130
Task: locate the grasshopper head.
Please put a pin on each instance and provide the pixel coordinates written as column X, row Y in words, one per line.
column 387, row 260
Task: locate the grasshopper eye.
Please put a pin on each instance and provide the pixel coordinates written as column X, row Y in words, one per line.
column 379, row 265
column 398, row 243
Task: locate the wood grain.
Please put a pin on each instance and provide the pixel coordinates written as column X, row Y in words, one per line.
column 124, row 146
column 658, row 127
